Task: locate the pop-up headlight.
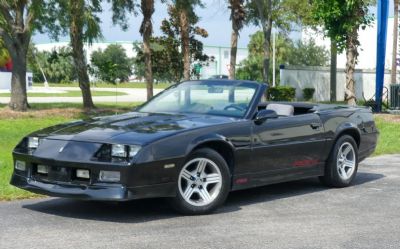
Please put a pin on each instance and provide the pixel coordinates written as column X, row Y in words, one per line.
column 119, row 150
column 133, row 150
column 33, row 142
column 124, row 152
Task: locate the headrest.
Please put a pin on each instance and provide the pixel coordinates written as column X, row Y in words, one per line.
column 281, row 109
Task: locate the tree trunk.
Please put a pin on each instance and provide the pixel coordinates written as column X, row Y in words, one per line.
column 235, row 6
column 351, row 57
column 185, row 43
column 19, row 100
column 333, row 71
column 234, row 42
column 266, row 22
column 16, row 36
column 146, row 30
column 76, row 36
column 395, row 37
column 267, row 49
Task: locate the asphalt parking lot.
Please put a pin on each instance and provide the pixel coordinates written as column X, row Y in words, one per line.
column 300, row 214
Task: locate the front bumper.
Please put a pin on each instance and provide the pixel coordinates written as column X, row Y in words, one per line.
column 104, row 192
column 137, row 181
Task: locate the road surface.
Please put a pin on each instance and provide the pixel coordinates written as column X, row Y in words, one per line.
column 300, row 214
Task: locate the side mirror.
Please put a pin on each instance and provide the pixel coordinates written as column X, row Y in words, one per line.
column 263, row 115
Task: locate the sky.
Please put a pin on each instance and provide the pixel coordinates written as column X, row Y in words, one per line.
column 214, row 18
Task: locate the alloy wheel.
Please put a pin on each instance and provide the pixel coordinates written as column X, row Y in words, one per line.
column 346, row 161
column 200, row 182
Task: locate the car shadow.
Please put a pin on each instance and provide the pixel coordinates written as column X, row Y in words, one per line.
column 139, row 211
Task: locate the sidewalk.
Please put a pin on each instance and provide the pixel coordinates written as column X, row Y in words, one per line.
column 133, row 95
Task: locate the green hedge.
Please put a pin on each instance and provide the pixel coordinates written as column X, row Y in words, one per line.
column 308, row 93
column 281, row 93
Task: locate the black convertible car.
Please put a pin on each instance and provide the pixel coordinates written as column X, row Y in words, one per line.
column 195, row 142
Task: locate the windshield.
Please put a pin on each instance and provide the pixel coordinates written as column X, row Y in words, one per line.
column 221, row 98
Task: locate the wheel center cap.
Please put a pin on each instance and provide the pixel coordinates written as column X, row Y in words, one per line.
column 198, row 181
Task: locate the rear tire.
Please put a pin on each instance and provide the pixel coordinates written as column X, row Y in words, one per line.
column 341, row 167
column 203, row 183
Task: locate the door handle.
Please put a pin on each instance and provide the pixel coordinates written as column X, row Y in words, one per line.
column 315, row 126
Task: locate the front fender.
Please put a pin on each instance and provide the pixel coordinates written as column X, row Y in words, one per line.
column 207, row 139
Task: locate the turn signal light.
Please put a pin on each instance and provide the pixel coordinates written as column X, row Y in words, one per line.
column 109, row 176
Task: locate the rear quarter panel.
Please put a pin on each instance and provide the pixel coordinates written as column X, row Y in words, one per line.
column 357, row 120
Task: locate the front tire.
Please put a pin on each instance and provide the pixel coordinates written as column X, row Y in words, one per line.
column 203, row 183
column 341, row 167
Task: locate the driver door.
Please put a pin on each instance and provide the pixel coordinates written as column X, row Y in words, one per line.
column 287, row 144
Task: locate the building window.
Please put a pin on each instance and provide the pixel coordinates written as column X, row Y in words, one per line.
column 226, row 54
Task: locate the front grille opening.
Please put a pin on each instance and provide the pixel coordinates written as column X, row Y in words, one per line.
column 42, row 169
column 81, row 175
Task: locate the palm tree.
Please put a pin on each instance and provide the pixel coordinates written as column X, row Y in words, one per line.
column 237, row 18
column 187, row 16
column 264, row 9
column 395, row 37
column 146, row 29
column 83, row 27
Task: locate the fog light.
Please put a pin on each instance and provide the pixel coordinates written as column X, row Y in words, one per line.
column 42, row 169
column 109, row 176
column 82, row 173
column 20, row 165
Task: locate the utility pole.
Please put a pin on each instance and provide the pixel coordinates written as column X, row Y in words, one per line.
column 333, row 71
column 393, row 76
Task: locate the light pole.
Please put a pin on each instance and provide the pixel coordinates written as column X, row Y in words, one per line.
column 273, row 59
column 383, row 11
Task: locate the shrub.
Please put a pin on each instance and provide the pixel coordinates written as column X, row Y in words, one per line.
column 308, row 93
column 281, row 93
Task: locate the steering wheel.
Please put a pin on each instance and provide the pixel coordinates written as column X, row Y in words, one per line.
column 234, row 106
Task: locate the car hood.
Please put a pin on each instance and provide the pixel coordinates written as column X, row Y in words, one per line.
column 130, row 128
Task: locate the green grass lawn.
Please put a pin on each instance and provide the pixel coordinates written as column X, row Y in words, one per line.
column 69, row 94
column 161, row 85
column 389, row 137
column 14, row 126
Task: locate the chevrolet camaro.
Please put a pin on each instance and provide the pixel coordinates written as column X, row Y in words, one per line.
column 194, row 143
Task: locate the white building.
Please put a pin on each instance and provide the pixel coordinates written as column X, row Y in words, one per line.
column 5, row 81
column 219, row 66
column 367, row 49
column 319, row 78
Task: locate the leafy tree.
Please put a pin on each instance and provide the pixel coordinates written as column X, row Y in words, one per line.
column 167, row 64
column 167, row 57
column 185, row 18
column 4, row 55
column 111, row 64
column 341, row 21
column 287, row 52
column 18, row 21
column 268, row 14
column 57, row 65
column 308, row 54
column 237, row 18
